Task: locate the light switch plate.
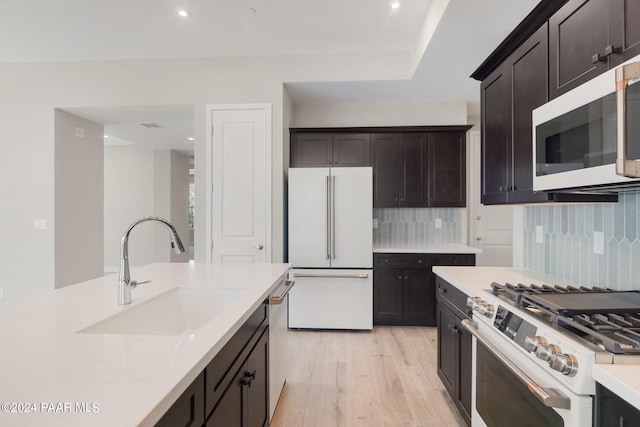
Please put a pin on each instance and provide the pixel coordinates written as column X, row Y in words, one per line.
column 438, row 222
column 79, row 132
column 598, row 242
column 374, row 223
column 1, row 293
column 539, row 234
column 40, row 224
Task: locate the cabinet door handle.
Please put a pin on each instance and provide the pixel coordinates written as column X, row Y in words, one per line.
column 406, row 277
column 245, row 382
column 251, row 375
column 399, row 277
column 610, row 50
column 597, row 58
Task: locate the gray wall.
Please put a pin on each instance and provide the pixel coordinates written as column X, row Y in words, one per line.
column 567, row 248
column 31, row 93
column 78, row 200
column 142, row 182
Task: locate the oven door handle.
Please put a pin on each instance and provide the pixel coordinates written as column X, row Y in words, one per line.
column 549, row 397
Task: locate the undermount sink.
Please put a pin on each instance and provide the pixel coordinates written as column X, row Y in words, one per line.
column 179, row 311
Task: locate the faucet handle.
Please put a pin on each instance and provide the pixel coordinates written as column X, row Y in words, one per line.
column 135, row 283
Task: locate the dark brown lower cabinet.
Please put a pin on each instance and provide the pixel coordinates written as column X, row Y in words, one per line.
column 454, row 347
column 244, row 403
column 402, row 297
column 404, row 287
column 188, row 409
column 232, row 391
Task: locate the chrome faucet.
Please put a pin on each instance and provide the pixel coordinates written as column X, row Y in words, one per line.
column 125, row 284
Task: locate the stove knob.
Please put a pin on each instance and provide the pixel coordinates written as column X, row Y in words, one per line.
column 486, row 309
column 472, row 302
column 531, row 343
column 566, row 364
column 546, row 351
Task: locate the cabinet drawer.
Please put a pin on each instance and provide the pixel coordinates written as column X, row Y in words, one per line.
column 453, row 259
column 384, row 260
column 226, row 363
column 452, row 297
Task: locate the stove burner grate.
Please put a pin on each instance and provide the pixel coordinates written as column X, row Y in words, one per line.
column 617, row 330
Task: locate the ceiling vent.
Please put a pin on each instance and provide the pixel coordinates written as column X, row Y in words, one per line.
column 151, row 125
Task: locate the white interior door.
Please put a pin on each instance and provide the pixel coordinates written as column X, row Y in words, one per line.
column 241, row 183
column 490, row 227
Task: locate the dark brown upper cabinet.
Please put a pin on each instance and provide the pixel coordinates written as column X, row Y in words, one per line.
column 419, row 169
column 412, row 150
column 589, row 37
column 508, row 96
column 517, row 78
column 624, row 30
column 447, row 169
column 386, row 169
column 328, row 149
column 413, row 166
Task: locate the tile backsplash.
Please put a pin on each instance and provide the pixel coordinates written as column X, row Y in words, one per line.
column 415, row 226
column 567, row 248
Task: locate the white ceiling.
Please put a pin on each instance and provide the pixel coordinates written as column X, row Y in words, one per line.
column 81, row 30
column 125, row 125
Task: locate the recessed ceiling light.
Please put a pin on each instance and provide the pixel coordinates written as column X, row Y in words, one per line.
column 395, row 5
column 183, row 13
column 191, row 138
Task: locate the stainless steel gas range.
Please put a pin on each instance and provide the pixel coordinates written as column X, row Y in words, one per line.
column 535, row 346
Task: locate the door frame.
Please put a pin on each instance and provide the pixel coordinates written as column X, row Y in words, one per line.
column 210, row 109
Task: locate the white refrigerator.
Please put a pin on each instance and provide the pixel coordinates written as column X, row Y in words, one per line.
column 331, row 248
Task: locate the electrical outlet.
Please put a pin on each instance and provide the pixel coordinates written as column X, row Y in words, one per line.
column 438, row 222
column 598, row 242
column 374, row 223
column 539, row 234
column 40, row 224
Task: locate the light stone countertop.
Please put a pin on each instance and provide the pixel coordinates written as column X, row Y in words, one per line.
column 471, row 280
column 424, row 249
column 130, row 379
column 622, row 379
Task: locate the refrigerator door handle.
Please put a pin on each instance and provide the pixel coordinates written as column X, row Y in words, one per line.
column 328, row 215
column 333, row 217
column 332, row 276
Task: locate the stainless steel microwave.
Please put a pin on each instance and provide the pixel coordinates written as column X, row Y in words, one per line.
column 589, row 138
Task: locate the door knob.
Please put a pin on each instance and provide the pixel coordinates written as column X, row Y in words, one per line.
column 478, row 238
column 259, row 246
column 478, row 217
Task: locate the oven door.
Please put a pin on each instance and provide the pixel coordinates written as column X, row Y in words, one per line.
column 508, row 391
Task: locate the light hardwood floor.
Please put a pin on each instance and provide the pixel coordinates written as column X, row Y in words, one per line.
column 382, row 378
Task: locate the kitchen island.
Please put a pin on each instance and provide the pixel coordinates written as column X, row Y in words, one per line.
column 54, row 375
